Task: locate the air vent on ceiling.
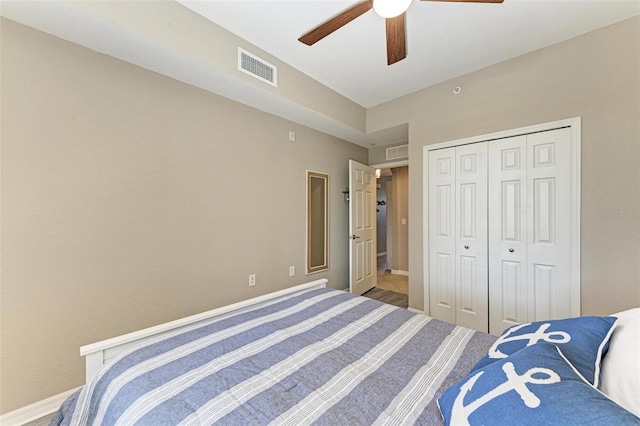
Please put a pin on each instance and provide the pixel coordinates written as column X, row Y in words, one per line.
column 396, row 152
column 257, row 67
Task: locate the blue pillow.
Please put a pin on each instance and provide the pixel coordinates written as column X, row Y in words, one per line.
column 583, row 340
column 535, row 386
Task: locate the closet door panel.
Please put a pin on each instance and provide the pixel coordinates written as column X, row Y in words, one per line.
column 508, row 281
column 549, row 224
column 513, row 292
column 442, row 292
column 500, row 230
column 471, row 236
column 544, row 286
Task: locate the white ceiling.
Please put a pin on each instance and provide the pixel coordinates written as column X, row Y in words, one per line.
column 444, row 40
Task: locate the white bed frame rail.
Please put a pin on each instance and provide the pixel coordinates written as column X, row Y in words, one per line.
column 101, row 353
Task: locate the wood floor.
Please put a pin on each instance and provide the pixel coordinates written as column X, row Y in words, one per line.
column 386, row 296
column 390, row 288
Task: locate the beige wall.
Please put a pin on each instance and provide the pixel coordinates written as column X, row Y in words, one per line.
column 381, row 216
column 400, row 182
column 130, row 199
column 594, row 76
column 378, row 155
column 184, row 31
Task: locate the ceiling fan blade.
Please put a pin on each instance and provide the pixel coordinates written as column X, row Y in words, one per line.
column 335, row 23
column 470, row 1
column 396, row 39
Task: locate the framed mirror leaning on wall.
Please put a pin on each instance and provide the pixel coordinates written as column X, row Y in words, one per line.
column 317, row 222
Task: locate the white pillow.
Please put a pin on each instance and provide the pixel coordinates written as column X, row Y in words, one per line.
column 621, row 365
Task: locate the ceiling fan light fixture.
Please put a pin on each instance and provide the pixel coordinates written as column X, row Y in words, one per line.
column 391, row 8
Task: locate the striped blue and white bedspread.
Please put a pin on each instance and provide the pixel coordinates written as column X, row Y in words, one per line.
column 322, row 357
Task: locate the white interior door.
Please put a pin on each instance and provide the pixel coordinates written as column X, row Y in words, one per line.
column 458, row 281
column 472, row 285
column 533, row 216
column 530, row 229
column 362, row 227
column 549, row 224
column 508, row 233
column 442, row 238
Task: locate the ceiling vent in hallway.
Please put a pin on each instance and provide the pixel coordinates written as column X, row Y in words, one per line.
column 396, row 152
column 257, row 67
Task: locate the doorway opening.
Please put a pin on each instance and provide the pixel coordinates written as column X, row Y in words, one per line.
column 393, row 228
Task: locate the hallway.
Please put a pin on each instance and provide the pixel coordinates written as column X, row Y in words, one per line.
column 391, row 282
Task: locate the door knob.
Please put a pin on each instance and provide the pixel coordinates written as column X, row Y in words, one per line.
column 466, row 247
column 354, row 236
column 511, row 250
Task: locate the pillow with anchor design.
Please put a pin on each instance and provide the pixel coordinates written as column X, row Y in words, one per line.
column 583, row 340
column 535, row 386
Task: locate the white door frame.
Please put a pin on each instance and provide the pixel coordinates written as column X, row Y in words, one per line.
column 391, row 164
column 576, row 143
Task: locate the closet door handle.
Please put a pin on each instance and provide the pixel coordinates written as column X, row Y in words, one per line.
column 467, row 247
column 511, row 250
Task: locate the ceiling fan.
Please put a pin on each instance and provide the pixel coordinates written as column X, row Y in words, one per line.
column 394, row 13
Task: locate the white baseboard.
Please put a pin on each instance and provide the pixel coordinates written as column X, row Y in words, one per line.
column 384, row 253
column 400, row 272
column 415, row 311
column 35, row 411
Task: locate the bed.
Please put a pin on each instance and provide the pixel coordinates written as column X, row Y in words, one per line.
column 306, row 355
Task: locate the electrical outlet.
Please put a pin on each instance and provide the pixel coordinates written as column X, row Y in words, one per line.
column 292, row 136
column 292, row 271
column 252, row 280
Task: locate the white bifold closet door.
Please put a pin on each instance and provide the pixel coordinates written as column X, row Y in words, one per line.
column 529, row 229
column 499, row 231
column 458, row 230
